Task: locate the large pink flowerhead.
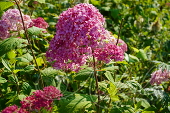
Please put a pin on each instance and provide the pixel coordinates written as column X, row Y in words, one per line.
column 13, row 17
column 39, row 22
column 4, row 26
column 79, row 31
column 160, row 76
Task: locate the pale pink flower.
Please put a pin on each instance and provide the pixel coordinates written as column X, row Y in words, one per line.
column 4, row 26
column 13, row 18
column 159, row 76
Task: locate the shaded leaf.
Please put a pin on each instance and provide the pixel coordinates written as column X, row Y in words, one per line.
column 2, row 80
column 25, row 58
column 49, row 72
column 26, row 88
column 35, row 30
column 84, row 74
column 13, row 79
column 76, row 103
column 6, row 64
column 11, row 44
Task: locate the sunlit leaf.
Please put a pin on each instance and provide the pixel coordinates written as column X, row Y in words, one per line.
column 5, row 5
column 112, row 90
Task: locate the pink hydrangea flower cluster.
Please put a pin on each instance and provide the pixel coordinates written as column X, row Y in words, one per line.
column 109, row 51
column 41, row 99
column 39, row 22
column 14, row 109
column 79, row 31
column 160, row 76
column 4, row 26
column 12, row 16
column 12, row 22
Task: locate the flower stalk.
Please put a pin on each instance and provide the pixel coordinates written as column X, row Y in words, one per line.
column 29, row 43
column 97, row 85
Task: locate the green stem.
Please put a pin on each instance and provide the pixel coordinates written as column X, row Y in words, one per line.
column 119, row 31
column 29, row 42
column 97, row 85
column 17, row 83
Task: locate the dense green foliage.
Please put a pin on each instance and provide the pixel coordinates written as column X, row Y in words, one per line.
column 124, row 86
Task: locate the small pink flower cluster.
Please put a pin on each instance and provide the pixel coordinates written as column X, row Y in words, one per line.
column 14, row 109
column 109, row 51
column 12, row 22
column 160, row 76
column 79, row 31
column 39, row 22
column 40, row 99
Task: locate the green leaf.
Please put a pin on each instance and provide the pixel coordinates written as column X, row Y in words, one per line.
column 95, row 2
column 49, row 72
column 142, row 54
column 133, row 58
column 114, row 13
column 11, row 54
column 148, row 112
column 135, row 49
column 109, row 76
column 142, row 102
column 35, row 30
column 40, row 1
column 10, row 44
column 112, row 90
column 13, row 79
column 84, row 74
column 146, row 49
column 2, row 80
column 6, row 64
column 26, row 88
column 111, row 68
column 5, row 5
column 29, row 68
column 76, row 103
column 49, row 81
column 21, row 97
column 25, row 58
column 40, row 61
